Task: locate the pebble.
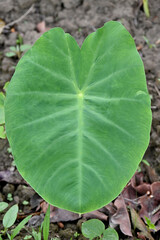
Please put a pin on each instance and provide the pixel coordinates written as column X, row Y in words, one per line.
column 8, row 188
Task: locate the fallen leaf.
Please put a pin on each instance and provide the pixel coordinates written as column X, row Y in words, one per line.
column 111, row 209
column 12, row 177
column 130, row 196
column 61, row 215
column 121, row 217
column 138, row 223
column 36, row 221
column 96, row 214
column 150, row 205
column 138, row 183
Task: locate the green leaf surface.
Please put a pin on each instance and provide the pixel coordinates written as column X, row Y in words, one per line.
column 78, row 119
column 92, row 228
column 10, row 54
column 10, row 216
column 3, row 206
column 6, row 85
column 12, row 48
column 2, row 98
column 25, row 47
column 46, row 223
column 19, row 227
column 2, row 132
column 110, row 234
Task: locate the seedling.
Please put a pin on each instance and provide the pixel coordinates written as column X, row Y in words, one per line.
column 150, row 45
column 95, row 228
column 146, row 8
column 78, row 119
column 150, row 225
column 18, row 50
column 9, row 219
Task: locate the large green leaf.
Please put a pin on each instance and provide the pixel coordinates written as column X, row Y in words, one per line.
column 78, row 120
column 2, row 98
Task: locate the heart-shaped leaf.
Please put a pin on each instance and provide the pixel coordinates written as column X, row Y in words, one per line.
column 93, row 228
column 78, row 120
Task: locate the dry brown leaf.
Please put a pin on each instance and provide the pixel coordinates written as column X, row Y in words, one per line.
column 121, row 217
column 150, row 205
column 138, row 223
column 130, row 196
column 138, row 183
column 110, row 208
column 96, row 214
column 61, row 215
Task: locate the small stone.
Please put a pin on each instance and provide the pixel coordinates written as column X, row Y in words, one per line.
column 11, row 41
column 49, row 19
column 26, row 26
column 8, row 188
column 16, row 199
column 25, row 4
column 71, row 3
column 30, row 37
column 148, row 24
column 66, row 233
column 24, row 193
column 6, row 64
column 6, row 6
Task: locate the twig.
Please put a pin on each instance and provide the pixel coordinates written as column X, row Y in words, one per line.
column 134, row 201
column 19, row 19
column 156, row 210
column 157, row 90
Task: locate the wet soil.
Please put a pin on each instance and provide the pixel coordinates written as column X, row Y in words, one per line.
column 79, row 18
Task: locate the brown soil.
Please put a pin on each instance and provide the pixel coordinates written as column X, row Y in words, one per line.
column 79, row 18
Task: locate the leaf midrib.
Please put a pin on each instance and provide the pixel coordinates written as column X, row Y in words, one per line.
column 80, row 145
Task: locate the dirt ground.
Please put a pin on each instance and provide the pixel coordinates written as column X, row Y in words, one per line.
column 79, row 18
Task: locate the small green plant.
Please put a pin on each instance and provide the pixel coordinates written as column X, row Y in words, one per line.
column 46, row 224
column 150, row 225
column 80, row 117
column 95, row 228
column 42, row 230
column 8, row 221
column 146, row 8
column 9, row 197
column 10, row 218
column 150, row 45
column 18, row 50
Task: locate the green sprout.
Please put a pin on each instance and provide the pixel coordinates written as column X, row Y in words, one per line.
column 146, row 8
